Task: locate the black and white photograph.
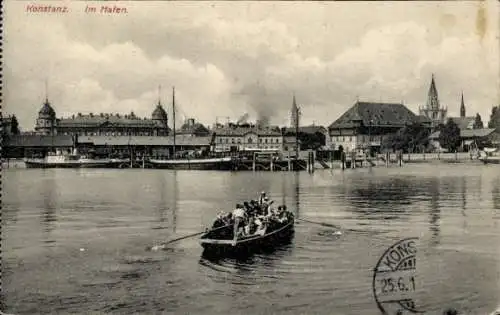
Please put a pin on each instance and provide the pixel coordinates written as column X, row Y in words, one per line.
column 250, row 157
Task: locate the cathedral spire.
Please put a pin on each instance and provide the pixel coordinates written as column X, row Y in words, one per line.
column 432, row 96
column 295, row 113
column 462, row 106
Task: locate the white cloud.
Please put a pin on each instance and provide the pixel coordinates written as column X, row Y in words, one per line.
column 226, row 59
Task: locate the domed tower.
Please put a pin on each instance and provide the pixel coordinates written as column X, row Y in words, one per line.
column 160, row 116
column 46, row 121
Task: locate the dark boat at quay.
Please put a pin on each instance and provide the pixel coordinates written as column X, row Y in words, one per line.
column 219, row 242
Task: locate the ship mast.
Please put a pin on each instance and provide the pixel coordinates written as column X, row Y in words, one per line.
column 173, row 112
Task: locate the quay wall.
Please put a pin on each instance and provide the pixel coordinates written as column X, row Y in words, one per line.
column 463, row 157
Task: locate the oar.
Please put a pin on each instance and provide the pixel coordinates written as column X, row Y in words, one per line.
column 164, row 245
column 321, row 223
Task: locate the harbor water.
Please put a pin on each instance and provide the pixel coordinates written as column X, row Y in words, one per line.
column 75, row 240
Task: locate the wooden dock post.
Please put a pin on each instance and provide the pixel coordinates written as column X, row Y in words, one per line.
column 253, row 162
column 310, row 158
column 132, row 157
column 289, row 162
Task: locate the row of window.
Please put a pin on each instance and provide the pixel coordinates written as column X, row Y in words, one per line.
column 351, row 138
column 271, row 146
column 250, row 140
column 142, row 133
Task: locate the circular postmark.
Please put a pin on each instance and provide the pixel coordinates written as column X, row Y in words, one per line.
column 395, row 278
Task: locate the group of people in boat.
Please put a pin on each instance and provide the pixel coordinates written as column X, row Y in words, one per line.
column 252, row 217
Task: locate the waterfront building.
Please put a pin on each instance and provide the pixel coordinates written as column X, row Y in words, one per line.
column 149, row 146
column 102, row 124
column 366, row 124
column 469, row 138
column 433, row 109
column 32, row 145
column 232, row 138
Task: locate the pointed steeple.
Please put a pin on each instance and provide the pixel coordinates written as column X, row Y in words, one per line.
column 294, row 115
column 432, row 96
column 462, row 106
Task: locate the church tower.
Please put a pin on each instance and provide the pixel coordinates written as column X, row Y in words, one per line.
column 294, row 115
column 433, row 109
column 462, row 107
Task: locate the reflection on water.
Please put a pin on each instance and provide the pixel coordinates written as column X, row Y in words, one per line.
column 49, row 208
column 114, row 214
column 434, row 212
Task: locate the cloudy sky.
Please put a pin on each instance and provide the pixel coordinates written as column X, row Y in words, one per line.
column 226, row 58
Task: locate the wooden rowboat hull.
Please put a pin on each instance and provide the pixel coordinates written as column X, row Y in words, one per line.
column 225, row 247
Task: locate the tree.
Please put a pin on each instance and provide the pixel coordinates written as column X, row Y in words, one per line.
column 311, row 140
column 494, row 117
column 478, row 122
column 449, row 136
column 14, row 126
column 408, row 138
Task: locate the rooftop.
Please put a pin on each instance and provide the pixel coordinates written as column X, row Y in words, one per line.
column 107, row 119
column 40, row 141
column 464, row 122
column 467, row 133
column 377, row 115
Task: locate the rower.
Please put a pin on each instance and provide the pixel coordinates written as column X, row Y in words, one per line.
column 239, row 219
column 219, row 220
column 262, row 197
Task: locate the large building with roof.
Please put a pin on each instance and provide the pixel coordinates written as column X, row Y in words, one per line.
column 366, row 124
column 101, row 124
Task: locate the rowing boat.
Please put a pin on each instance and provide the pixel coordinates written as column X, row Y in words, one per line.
column 273, row 234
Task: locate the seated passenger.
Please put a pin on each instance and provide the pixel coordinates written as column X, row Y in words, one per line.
column 219, row 220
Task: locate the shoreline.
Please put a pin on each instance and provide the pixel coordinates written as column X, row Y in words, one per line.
column 336, row 164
